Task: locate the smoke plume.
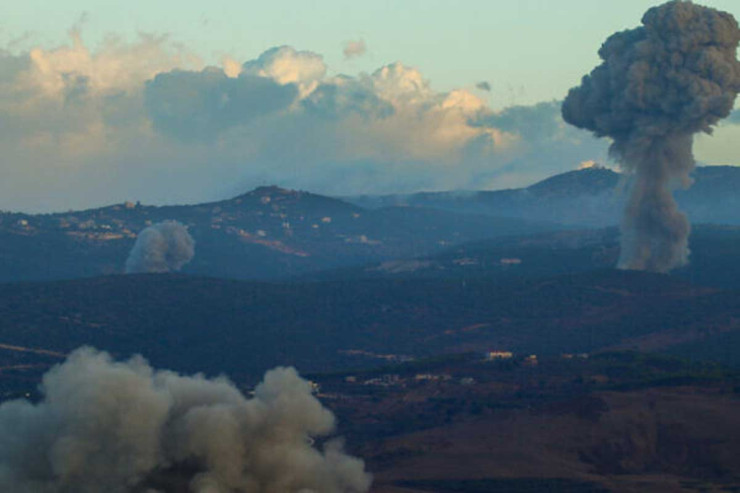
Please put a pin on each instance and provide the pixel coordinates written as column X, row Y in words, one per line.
column 120, row 427
column 658, row 85
column 162, row 247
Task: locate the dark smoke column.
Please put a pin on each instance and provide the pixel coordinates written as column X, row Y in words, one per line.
column 658, row 85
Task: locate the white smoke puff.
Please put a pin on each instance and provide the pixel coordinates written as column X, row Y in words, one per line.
column 162, row 247
column 111, row 426
column 658, row 85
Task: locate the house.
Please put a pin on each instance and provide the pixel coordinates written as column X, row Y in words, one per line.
column 496, row 355
column 531, row 360
column 315, row 387
column 510, row 261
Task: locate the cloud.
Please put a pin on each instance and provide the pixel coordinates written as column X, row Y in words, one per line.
column 83, row 128
column 119, row 427
column 116, row 66
column 546, row 144
column 286, row 65
column 200, row 105
column 354, row 49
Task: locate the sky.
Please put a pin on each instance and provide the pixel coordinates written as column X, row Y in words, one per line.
column 364, row 97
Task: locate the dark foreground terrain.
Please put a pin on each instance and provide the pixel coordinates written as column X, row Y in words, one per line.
column 242, row 328
column 598, row 381
column 613, row 421
column 607, row 422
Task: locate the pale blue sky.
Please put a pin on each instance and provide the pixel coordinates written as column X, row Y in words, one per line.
column 529, row 50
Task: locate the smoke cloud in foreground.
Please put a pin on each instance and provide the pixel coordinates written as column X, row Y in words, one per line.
column 658, row 85
column 162, row 247
column 111, row 426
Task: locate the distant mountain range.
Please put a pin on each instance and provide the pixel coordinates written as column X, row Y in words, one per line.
column 588, row 197
column 272, row 233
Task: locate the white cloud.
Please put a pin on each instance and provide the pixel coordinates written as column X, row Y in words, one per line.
column 147, row 121
column 231, row 67
column 115, row 66
column 286, row 65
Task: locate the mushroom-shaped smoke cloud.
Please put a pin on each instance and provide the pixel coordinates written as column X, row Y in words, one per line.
column 162, row 247
column 119, row 427
column 658, row 85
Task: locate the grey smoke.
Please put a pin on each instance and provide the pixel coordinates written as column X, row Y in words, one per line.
column 162, row 247
column 114, row 426
column 657, row 86
column 484, row 86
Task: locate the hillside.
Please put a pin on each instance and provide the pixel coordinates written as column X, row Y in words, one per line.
column 243, row 328
column 714, row 259
column 588, row 197
column 419, row 374
column 272, row 233
column 614, row 421
column 268, row 233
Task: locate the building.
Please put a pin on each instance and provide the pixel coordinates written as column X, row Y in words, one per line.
column 496, row 355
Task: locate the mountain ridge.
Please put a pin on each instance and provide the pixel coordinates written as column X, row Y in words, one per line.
column 276, row 233
column 589, row 197
column 267, row 233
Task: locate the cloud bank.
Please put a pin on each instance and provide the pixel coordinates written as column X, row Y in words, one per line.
column 122, row 427
column 148, row 121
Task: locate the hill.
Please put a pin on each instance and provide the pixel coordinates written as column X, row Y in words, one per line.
column 272, row 233
column 268, row 233
column 588, row 197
